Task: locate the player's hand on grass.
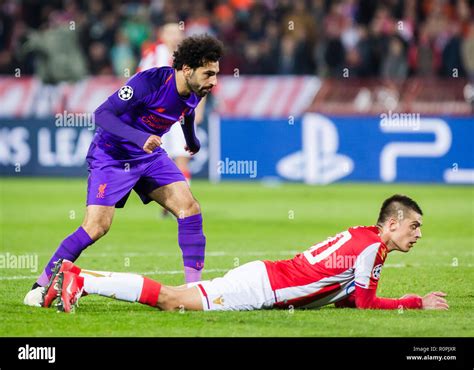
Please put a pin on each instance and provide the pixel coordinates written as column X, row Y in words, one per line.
column 152, row 143
column 435, row 301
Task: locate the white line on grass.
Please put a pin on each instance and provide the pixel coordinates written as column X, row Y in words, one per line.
column 168, row 254
column 177, row 272
column 170, row 272
column 223, row 254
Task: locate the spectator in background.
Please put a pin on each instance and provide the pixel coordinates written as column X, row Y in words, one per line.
column 300, row 25
column 317, row 12
column 287, row 59
column 334, row 52
column 255, row 28
column 99, row 61
column 394, row 65
column 467, row 52
column 452, row 63
column 224, row 23
column 329, row 35
column 421, row 55
column 99, row 25
column 98, row 35
column 335, row 57
column 122, row 56
column 301, row 21
column 6, row 35
column 136, row 27
column 407, row 26
column 198, row 21
column 269, row 53
column 361, row 59
column 252, row 64
column 380, row 31
column 57, row 52
column 13, row 34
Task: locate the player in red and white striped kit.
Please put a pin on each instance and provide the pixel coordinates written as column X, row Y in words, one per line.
column 344, row 270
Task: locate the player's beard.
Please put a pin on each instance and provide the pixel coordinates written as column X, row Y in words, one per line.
column 195, row 87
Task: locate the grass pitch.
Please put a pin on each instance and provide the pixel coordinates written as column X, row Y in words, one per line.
column 242, row 222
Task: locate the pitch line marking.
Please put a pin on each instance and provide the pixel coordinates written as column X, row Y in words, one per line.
column 177, row 272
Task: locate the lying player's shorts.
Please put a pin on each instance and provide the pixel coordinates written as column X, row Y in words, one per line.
column 241, row 289
column 111, row 180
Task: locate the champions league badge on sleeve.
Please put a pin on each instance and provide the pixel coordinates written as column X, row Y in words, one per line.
column 125, row 92
column 376, row 272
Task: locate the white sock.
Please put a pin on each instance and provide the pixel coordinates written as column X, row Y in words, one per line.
column 123, row 286
column 105, row 273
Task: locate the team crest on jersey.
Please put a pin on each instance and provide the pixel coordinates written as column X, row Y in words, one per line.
column 125, row 92
column 376, row 272
column 101, row 191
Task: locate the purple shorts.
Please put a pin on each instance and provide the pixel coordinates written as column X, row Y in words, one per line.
column 112, row 179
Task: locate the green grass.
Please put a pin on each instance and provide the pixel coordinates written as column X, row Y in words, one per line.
column 243, row 222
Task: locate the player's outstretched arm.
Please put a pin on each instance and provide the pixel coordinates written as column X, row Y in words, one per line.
column 367, row 299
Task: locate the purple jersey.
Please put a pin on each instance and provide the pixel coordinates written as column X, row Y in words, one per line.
column 149, row 104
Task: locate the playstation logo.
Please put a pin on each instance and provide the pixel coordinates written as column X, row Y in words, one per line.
column 318, row 162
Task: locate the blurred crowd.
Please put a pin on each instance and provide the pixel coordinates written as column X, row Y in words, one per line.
column 67, row 40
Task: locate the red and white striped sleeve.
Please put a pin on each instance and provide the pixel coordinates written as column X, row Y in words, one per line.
column 157, row 56
column 368, row 268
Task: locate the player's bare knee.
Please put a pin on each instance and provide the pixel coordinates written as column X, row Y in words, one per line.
column 96, row 230
column 188, row 208
column 193, row 207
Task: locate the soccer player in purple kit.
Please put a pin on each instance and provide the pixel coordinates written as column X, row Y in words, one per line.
column 125, row 154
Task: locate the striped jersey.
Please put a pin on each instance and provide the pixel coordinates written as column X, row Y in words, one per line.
column 329, row 271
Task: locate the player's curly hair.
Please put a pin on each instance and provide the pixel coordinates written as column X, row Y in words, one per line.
column 196, row 51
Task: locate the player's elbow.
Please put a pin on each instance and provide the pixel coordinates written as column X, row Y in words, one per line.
column 101, row 113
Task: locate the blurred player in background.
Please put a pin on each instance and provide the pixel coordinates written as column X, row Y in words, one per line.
column 344, row 270
column 126, row 154
column 160, row 54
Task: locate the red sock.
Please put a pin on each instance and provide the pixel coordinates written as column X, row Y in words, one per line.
column 150, row 292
